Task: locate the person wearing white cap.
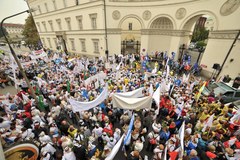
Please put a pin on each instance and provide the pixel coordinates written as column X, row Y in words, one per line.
column 111, row 143
column 44, row 138
column 117, row 134
column 138, row 145
column 68, row 154
column 97, row 131
column 48, row 147
column 27, row 134
column 105, row 137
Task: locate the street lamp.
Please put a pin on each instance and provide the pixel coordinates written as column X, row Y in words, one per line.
column 200, row 50
column 15, row 56
column 181, row 48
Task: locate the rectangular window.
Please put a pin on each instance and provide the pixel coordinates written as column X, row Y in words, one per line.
column 64, row 3
column 83, row 45
column 49, row 42
column 94, row 23
column 80, row 24
column 44, row 25
column 46, row 7
column 39, row 9
column 72, row 44
column 59, row 24
column 51, row 25
column 68, row 21
column 54, row 5
column 93, row 18
column 130, row 26
column 95, row 45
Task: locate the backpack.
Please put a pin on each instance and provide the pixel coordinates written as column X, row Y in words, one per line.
column 153, row 141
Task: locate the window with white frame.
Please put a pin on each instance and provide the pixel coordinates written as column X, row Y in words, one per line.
column 44, row 25
column 79, row 20
column 93, row 18
column 46, row 7
column 54, row 4
column 51, row 25
column 68, row 21
column 95, row 45
column 59, row 24
column 38, row 26
column 39, row 9
column 64, row 3
column 83, row 45
column 49, row 42
column 72, row 44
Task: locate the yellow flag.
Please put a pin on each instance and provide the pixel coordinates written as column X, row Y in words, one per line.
column 200, row 91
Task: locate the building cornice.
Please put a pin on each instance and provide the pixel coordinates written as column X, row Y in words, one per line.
column 69, row 9
column 223, row 34
column 114, row 30
column 178, row 33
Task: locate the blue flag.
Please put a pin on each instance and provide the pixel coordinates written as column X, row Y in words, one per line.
column 129, row 130
column 189, row 59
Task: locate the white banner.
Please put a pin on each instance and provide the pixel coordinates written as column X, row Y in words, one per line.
column 98, row 76
column 132, row 94
column 83, row 106
column 131, row 103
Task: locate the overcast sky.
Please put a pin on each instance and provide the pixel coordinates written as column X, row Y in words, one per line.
column 10, row 7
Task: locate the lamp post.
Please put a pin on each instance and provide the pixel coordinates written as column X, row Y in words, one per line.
column 15, row 56
column 105, row 24
column 181, row 48
column 200, row 50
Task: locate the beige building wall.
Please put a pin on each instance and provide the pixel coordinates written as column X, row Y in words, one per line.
column 159, row 25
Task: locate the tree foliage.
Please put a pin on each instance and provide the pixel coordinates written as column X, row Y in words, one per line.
column 5, row 31
column 200, row 44
column 200, row 34
column 30, row 32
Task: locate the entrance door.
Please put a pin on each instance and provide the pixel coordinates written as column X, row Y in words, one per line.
column 130, row 46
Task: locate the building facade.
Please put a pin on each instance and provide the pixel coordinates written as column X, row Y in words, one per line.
column 146, row 26
column 14, row 30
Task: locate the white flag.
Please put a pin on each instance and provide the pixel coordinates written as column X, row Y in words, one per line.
column 179, row 109
column 156, row 97
column 154, row 70
column 209, row 123
column 168, row 71
column 115, row 149
column 236, row 118
column 151, row 90
column 25, row 98
column 181, row 135
column 118, row 67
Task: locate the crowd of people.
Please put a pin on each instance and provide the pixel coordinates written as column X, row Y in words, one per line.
column 184, row 125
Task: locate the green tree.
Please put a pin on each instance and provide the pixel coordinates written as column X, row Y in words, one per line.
column 200, row 44
column 200, row 34
column 30, row 32
column 5, row 31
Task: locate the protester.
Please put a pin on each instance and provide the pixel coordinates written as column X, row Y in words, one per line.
column 75, row 117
